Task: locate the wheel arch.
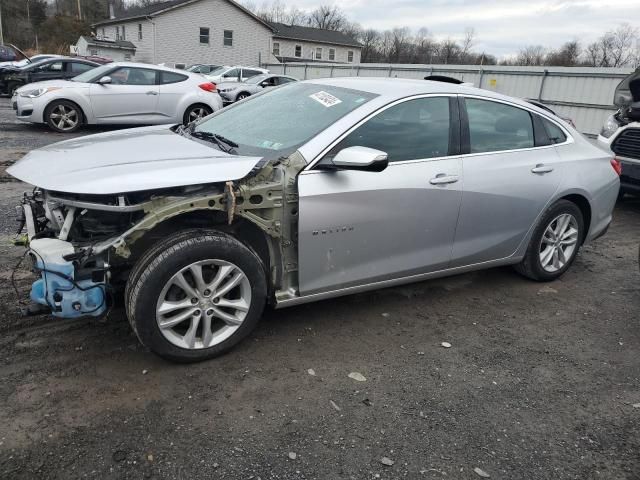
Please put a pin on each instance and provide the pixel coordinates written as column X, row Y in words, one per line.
column 248, row 94
column 247, row 232
column 584, row 205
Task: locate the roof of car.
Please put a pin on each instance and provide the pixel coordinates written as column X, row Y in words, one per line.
column 148, row 65
column 401, row 87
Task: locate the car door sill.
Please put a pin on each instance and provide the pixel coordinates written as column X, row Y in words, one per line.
column 283, row 302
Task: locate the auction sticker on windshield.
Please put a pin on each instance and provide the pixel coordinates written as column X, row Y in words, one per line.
column 325, row 99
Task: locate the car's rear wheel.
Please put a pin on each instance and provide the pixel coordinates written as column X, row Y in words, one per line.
column 555, row 243
column 63, row 116
column 195, row 295
column 242, row 96
column 195, row 113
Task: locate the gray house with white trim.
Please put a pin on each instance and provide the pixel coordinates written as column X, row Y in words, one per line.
column 220, row 32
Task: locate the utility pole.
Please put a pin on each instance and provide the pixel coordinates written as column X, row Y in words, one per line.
column 1, row 36
column 79, row 11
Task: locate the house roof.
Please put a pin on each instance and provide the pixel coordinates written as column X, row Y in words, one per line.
column 116, row 44
column 166, row 6
column 310, row 34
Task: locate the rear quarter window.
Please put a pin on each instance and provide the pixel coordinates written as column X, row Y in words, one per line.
column 171, row 77
column 555, row 133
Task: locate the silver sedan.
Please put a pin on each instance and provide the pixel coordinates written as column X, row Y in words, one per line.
column 315, row 190
column 234, row 91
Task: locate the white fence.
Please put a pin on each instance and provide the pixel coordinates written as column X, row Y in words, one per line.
column 583, row 94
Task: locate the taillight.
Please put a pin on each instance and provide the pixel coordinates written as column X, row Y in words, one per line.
column 617, row 166
column 209, row 86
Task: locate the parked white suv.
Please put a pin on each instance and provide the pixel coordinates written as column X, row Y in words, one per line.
column 621, row 133
column 234, row 74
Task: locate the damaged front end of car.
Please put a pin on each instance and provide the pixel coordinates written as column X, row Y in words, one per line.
column 83, row 246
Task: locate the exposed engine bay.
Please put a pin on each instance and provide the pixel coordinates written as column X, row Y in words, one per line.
column 83, row 245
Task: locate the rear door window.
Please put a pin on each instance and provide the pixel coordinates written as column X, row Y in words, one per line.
column 248, row 73
column 133, row 76
column 495, row 126
column 233, row 73
column 78, row 67
column 412, row 130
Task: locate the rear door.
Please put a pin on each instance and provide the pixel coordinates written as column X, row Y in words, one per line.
column 358, row 227
column 511, row 172
column 131, row 97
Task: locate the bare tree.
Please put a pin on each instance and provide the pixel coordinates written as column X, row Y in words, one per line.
column 531, row 55
column 568, row 55
column 467, row 42
column 328, row 17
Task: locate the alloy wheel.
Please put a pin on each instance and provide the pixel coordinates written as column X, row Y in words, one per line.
column 559, row 242
column 196, row 113
column 64, row 117
column 203, row 304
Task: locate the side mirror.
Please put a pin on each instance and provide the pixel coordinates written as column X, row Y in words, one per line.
column 104, row 80
column 360, row 158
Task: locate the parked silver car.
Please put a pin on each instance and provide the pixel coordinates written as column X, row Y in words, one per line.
column 320, row 189
column 118, row 93
column 234, row 91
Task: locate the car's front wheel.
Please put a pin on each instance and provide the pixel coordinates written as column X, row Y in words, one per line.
column 242, row 96
column 63, row 116
column 195, row 295
column 555, row 242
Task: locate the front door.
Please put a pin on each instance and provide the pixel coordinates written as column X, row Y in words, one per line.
column 360, row 227
column 508, row 180
column 133, row 92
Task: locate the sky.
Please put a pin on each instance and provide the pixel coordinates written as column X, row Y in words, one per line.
column 502, row 26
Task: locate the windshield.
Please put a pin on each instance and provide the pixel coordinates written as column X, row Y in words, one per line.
column 89, row 75
column 257, row 79
column 280, row 120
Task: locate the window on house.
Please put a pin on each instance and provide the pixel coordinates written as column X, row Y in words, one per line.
column 298, row 51
column 332, row 54
column 350, row 56
column 102, row 29
column 319, row 53
column 94, row 52
column 139, row 31
column 228, row 38
column 204, row 35
column 127, row 57
column 276, row 48
column 124, row 35
column 117, row 33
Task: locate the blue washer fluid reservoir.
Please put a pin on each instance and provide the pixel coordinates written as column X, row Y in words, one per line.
column 55, row 288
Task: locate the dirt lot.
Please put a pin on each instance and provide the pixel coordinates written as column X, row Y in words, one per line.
column 541, row 382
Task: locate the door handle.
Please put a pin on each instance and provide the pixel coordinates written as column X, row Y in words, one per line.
column 542, row 168
column 151, row 92
column 443, row 179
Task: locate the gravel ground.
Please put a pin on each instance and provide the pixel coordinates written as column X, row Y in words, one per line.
column 541, row 380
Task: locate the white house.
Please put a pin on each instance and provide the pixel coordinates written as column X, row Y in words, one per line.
column 220, row 32
column 292, row 43
column 116, row 50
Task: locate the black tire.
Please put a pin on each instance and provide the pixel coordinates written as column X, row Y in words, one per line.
column 242, row 96
column 74, row 112
column 187, row 117
column 531, row 265
column 12, row 87
column 154, row 269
